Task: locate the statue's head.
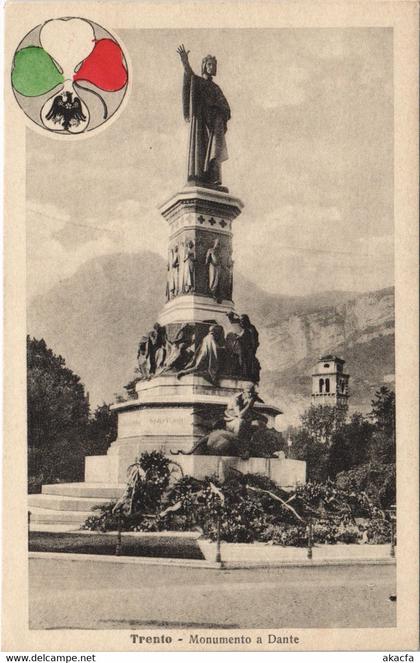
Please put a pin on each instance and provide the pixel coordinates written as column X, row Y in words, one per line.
column 245, row 321
column 250, row 390
column 209, row 66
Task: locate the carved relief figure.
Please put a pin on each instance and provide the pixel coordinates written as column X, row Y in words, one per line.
column 188, row 275
column 214, row 266
column 230, row 266
column 208, row 112
column 174, row 289
column 167, row 289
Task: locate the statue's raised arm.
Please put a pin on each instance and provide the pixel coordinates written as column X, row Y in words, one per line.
column 208, row 112
column 183, row 54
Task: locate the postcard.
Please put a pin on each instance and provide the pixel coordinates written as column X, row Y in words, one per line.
column 211, row 316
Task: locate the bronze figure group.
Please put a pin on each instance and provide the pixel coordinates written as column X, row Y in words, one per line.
column 211, row 353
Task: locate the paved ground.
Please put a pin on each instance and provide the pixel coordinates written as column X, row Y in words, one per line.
column 85, row 595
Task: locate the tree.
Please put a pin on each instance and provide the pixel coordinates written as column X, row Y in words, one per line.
column 350, row 444
column 102, row 429
column 58, row 412
column 315, row 453
column 377, row 480
column 383, row 410
column 321, row 421
column 382, row 447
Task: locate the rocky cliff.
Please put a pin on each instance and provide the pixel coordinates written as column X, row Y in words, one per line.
column 95, row 319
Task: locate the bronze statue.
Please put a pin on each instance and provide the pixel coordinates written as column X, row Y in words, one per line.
column 240, row 422
column 207, row 358
column 243, row 347
column 239, row 413
column 156, row 348
column 179, row 352
column 142, row 359
column 208, row 112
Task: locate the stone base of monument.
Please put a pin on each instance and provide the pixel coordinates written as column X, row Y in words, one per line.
column 170, row 416
column 286, row 472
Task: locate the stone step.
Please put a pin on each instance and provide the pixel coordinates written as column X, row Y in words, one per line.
column 97, row 490
column 64, row 503
column 55, row 517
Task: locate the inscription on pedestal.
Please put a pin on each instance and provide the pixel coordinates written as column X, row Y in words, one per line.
column 162, row 421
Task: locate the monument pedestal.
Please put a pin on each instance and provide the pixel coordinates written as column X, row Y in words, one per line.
column 172, row 410
column 169, row 415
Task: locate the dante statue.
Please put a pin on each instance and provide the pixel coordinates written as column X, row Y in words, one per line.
column 208, row 112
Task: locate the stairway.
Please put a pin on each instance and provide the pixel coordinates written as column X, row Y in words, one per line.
column 69, row 504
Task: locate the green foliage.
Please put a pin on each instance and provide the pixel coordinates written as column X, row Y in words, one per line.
column 103, row 519
column 101, row 430
column 379, row 531
column 316, row 455
column 350, row 445
column 321, row 421
column 60, row 431
column 265, row 442
column 58, row 413
column 245, row 508
column 382, row 448
column 285, row 535
column 359, row 453
column 375, row 480
column 152, row 482
column 383, row 411
column 329, row 499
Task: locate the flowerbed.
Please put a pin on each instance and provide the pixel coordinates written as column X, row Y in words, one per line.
column 242, row 509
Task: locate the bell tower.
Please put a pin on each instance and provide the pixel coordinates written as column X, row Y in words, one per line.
column 330, row 383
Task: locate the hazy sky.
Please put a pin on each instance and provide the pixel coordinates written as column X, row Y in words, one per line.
column 311, row 156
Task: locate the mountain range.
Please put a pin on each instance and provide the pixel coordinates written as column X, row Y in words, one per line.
column 95, row 318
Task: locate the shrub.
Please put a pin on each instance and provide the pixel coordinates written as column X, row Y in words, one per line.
column 285, row 535
column 103, row 520
column 247, row 508
column 379, row 531
column 324, row 532
column 347, row 535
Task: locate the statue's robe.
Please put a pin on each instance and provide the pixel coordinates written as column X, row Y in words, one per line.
column 206, row 359
column 188, row 277
column 208, row 112
column 213, row 262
